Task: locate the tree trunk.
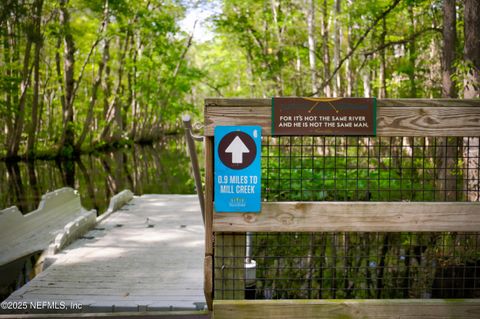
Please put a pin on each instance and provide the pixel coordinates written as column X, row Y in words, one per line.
column 93, row 99
column 132, row 87
column 300, row 88
column 326, row 82
column 447, row 157
column 472, row 90
column 58, row 67
column 449, row 44
column 367, row 79
column 310, row 8
column 36, row 78
column 447, row 148
column 114, row 113
column 107, row 84
column 412, row 54
column 7, row 54
column 97, row 82
column 348, row 62
column 279, row 55
column 471, row 156
column 382, row 90
column 337, row 89
column 326, row 51
column 14, row 142
column 472, row 48
column 68, row 134
column 166, row 101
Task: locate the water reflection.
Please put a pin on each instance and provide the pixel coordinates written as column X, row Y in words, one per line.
column 162, row 168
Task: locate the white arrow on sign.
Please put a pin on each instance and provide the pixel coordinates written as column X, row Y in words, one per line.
column 237, row 148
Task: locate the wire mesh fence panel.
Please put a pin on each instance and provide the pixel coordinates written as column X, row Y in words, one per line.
column 306, row 168
column 349, row 265
column 357, row 264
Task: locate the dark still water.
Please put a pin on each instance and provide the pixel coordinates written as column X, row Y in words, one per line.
column 162, row 168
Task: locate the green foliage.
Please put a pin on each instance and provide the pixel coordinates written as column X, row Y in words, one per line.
column 268, row 45
column 144, row 84
column 67, row 151
column 153, row 73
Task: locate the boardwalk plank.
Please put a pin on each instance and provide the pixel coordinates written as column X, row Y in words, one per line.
column 149, row 253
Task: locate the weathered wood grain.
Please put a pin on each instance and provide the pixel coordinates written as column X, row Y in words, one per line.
column 428, row 121
column 396, row 308
column 235, row 102
column 58, row 218
column 353, row 216
column 428, row 102
column 208, row 263
column 243, row 115
column 208, row 196
column 208, row 281
column 391, row 120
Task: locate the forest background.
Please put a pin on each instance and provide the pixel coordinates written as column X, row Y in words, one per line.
column 84, row 75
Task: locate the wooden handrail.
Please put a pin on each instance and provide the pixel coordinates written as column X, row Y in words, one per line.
column 190, row 138
column 354, row 216
column 395, row 117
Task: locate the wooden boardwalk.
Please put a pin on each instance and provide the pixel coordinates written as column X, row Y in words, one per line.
column 148, row 256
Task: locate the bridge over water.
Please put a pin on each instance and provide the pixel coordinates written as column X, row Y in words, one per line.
column 146, row 256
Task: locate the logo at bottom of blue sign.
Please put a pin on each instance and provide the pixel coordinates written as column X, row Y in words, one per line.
column 237, row 159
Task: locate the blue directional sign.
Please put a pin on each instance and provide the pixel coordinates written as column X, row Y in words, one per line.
column 237, row 177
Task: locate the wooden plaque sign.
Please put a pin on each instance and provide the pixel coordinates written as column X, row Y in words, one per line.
column 323, row 116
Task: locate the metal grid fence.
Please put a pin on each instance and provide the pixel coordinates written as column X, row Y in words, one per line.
column 357, row 265
column 350, row 265
column 306, row 168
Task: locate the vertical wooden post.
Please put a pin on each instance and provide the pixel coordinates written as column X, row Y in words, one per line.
column 231, row 246
column 208, row 263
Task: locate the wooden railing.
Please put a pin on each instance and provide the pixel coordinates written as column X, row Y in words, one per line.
column 190, row 139
column 395, row 117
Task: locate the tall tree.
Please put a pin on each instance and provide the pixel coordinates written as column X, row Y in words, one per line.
column 36, row 77
column 337, row 45
column 348, row 63
column 326, row 50
column 98, row 80
column 449, row 48
column 447, row 148
column 382, row 88
column 278, row 30
column 472, row 48
column 15, row 137
column 412, row 52
column 472, row 90
column 68, row 133
column 310, row 10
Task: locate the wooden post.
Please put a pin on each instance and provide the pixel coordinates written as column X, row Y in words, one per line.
column 230, row 246
column 208, row 264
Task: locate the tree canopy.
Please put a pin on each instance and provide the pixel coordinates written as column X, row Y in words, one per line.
column 77, row 75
